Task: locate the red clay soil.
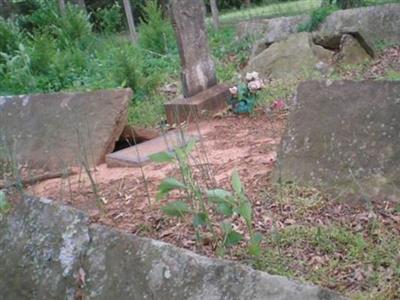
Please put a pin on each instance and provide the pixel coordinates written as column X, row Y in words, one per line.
column 249, row 145
column 245, row 143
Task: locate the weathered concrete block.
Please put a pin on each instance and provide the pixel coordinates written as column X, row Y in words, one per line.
column 54, row 131
column 49, row 251
column 139, row 154
column 193, row 108
column 344, row 136
column 198, row 69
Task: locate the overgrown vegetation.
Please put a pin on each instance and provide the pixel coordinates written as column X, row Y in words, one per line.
column 317, row 17
column 196, row 200
column 345, row 247
column 4, row 204
column 46, row 52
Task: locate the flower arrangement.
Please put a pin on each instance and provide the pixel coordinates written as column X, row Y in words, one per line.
column 243, row 95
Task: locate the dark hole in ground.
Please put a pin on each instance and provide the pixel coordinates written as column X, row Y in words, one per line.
column 133, row 136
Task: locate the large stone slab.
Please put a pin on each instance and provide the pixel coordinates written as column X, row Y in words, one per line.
column 198, row 69
column 194, row 108
column 139, row 154
column 293, row 57
column 55, row 131
column 375, row 25
column 270, row 30
column 49, row 251
column 41, row 250
column 344, row 136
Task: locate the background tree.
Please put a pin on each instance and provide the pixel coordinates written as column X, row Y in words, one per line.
column 61, row 6
column 129, row 18
column 215, row 14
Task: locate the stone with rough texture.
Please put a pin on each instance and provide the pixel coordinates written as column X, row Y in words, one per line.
column 54, row 131
column 270, row 30
column 251, row 28
column 289, row 58
column 351, row 52
column 194, row 108
column 198, row 69
column 375, row 24
column 344, row 136
column 275, row 30
column 49, row 251
column 41, row 247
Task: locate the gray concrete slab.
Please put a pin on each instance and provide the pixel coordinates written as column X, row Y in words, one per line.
column 138, row 155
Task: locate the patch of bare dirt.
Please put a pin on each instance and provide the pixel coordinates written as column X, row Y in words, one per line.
column 127, row 195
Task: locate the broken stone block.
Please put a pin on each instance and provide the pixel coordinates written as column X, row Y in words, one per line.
column 52, row 132
column 198, row 69
column 138, row 155
column 288, row 58
column 50, row 251
column 203, row 104
column 375, row 24
column 344, row 136
column 351, row 52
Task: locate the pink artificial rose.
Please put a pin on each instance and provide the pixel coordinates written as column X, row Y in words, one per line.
column 233, row 91
column 278, row 105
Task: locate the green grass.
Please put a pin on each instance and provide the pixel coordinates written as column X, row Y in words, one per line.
column 282, row 9
column 271, row 10
column 356, row 257
column 341, row 250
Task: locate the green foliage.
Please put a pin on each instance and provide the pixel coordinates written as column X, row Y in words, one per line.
column 109, row 19
column 4, row 204
column 156, row 33
column 198, row 200
column 9, row 37
column 346, row 4
column 392, row 75
column 16, row 72
column 317, row 17
column 127, row 66
column 175, row 209
column 41, row 19
column 168, row 185
column 230, row 54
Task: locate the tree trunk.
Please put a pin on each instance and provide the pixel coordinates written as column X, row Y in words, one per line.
column 215, row 14
column 5, row 9
column 164, row 8
column 61, row 5
column 131, row 23
column 247, row 3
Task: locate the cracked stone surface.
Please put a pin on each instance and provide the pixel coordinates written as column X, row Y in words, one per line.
column 344, row 135
column 50, row 251
column 52, row 132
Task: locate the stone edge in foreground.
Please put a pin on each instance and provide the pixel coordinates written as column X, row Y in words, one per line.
column 50, row 251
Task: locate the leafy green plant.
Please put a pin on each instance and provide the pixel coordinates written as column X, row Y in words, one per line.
column 229, row 204
column 317, row 17
column 74, row 29
column 197, row 201
column 156, row 33
column 109, row 19
column 9, row 37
